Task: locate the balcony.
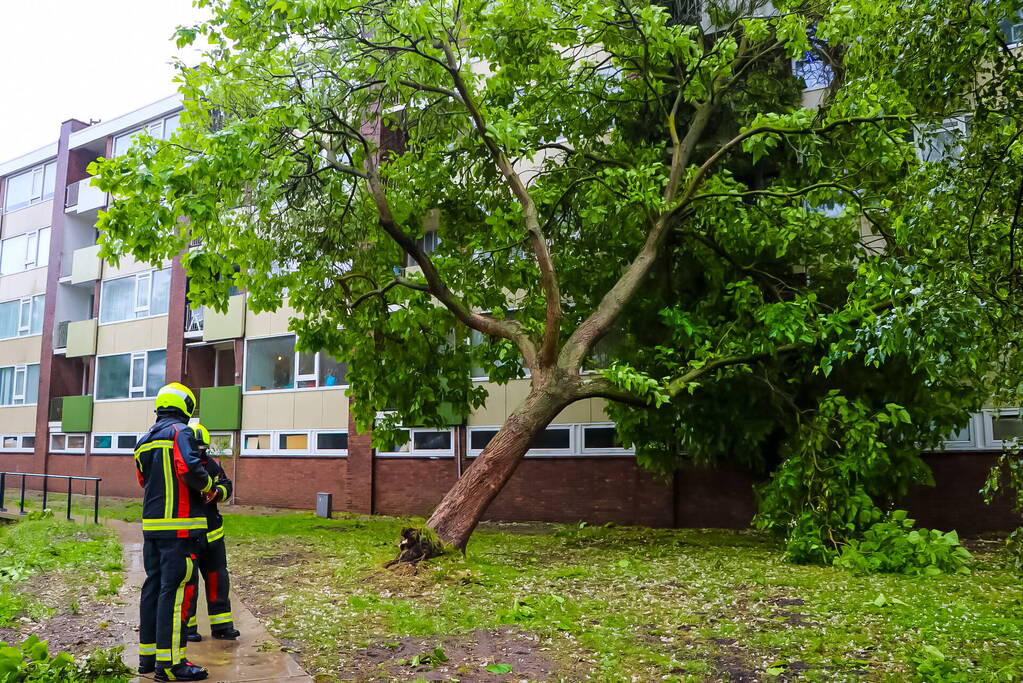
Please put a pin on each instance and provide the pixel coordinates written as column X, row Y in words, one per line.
column 81, row 338
column 194, row 322
column 83, row 196
column 220, row 408
column 56, row 409
column 86, row 265
column 227, row 325
column 60, row 335
column 76, row 414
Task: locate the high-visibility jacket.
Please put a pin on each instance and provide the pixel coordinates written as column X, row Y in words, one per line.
column 173, row 478
column 222, row 487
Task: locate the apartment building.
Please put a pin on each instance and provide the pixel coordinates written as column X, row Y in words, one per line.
column 85, row 345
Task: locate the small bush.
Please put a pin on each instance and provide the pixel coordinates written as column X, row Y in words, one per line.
column 894, row 546
column 32, row 663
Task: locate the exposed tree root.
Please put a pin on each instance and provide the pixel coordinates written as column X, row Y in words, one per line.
column 417, row 545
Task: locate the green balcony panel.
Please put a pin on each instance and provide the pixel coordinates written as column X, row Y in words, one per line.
column 85, row 265
column 220, row 408
column 81, row 338
column 227, row 325
column 77, row 414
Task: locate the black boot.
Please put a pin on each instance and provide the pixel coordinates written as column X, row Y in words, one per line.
column 184, row 671
column 147, row 664
column 227, row 634
column 194, row 637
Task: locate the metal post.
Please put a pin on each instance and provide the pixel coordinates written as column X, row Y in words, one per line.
column 69, row 481
column 46, row 480
column 95, row 507
column 23, row 494
column 3, row 490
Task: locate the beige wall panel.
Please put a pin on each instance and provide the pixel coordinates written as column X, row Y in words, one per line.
column 515, row 393
column 597, row 412
column 134, row 335
column 25, row 283
column 280, row 413
column 493, row 411
column 334, row 411
column 28, row 219
column 257, row 324
column 18, row 420
column 254, row 411
column 577, row 412
column 19, row 351
column 281, row 319
column 127, row 266
column 136, row 415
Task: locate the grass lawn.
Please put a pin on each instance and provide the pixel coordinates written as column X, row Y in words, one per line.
column 553, row 602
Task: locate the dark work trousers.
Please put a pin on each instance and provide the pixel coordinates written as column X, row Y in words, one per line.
column 212, row 565
column 168, row 591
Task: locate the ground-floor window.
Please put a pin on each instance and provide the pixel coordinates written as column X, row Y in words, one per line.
column 436, row 443
column 992, row 429
column 288, row 442
column 114, row 443
column 67, row 443
column 560, row 439
column 17, row 443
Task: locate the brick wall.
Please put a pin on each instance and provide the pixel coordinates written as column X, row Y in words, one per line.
column 288, row 482
column 411, row 486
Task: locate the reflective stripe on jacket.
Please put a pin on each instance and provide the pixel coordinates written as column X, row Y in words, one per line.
column 173, row 478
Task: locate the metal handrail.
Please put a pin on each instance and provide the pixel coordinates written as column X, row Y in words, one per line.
column 46, row 478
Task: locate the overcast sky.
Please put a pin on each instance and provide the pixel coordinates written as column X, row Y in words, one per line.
column 83, row 59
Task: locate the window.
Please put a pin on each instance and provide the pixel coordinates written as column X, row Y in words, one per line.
column 428, row 243
column 273, row 364
column 136, row 296
column 566, row 439
column 479, row 372
column 161, row 129
column 294, row 442
column 813, row 68
column 942, row 141
column 130, row 375
column 25, row 252
column 221, row 445
column 1006, row 427
column 1012, row 29
column 17, row 443
column 31, row 186
column 114, row 443
column 965, row 437
column 19, row 385
column 422, row 442
column 67, row 443
column 22, row 317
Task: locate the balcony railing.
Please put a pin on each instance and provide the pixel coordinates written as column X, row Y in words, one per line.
column 194, row 320
column 56, row 409
column 60, row 335
column 71, row 196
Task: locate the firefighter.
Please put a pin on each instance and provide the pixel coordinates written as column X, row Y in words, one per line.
column 212, row 552
column 173, row 521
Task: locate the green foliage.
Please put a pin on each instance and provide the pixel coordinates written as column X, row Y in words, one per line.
column 930, row 664
column 31, row 662
column 681, row 187
column 894, row 546
column 1006, row 477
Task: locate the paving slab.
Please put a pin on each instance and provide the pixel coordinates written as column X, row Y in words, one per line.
column 256, row 656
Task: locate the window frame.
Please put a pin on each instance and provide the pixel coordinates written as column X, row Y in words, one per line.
column 33, row 262
column 576, row 448
column 311, row 451
column 37, row 170
column 297, row 377
column 114, row 449
column 145, row 311
column 67, row 436
column 952, row 124
column 149, row 128
column 988, row 416
column 33, row 302
column 132, row 357
column 975, row 427
column 22, row 371
column 420, row 453
column 21, row 447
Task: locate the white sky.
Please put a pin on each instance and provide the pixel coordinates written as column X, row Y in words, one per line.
column 83, row 59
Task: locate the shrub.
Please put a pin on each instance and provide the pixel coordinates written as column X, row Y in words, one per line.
column 32, row 663
column 892, row 545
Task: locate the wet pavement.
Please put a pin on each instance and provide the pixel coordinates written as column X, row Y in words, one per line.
column 256, row 656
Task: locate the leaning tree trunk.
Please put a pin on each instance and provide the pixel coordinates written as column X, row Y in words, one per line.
column 460, row 510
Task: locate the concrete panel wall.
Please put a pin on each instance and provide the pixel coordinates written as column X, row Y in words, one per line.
column 25, row 283
column 133, row 335
column 266, row 324
column 126, row 415
column 20, row 350
column 18, row 419
column 319, row 409
column 127, row 266
column 28, row 219
column 504, row 399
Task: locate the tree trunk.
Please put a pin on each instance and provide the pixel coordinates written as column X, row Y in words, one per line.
column 460, row 510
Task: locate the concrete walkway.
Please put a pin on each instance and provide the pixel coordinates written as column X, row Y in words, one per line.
column 256, row 656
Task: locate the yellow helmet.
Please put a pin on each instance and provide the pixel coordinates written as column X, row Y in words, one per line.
column 176, row 395
column 202, row 435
